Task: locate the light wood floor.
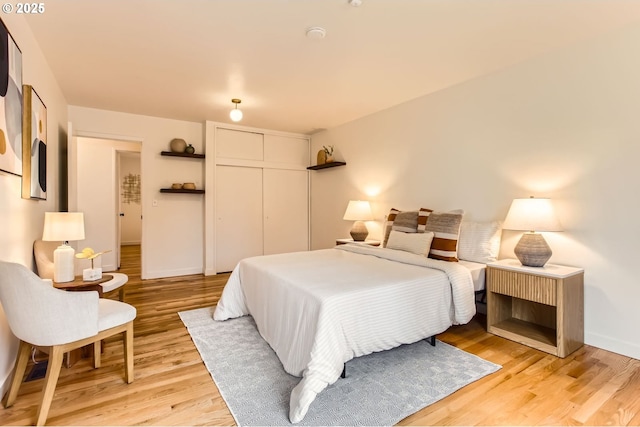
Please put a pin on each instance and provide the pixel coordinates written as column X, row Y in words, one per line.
column 172, row 386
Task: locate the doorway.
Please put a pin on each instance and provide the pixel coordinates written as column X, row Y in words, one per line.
column 97, row 192
column 129, row 202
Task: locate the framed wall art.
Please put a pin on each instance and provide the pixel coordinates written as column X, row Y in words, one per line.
column 10, row 103
column 34, row 146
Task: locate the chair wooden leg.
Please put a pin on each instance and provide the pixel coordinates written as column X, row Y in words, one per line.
column 128, row 353
column 121, row 294
column 19, row 370
column 97, row 353
column 50, row 381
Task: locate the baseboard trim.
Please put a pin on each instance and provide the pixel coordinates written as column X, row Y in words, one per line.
column 625, row 348
column 4, row 387
column 159, row 274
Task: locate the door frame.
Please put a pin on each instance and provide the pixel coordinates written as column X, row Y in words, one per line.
column 72, row 176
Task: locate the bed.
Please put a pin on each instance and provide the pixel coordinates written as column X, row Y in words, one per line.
column 322, row 308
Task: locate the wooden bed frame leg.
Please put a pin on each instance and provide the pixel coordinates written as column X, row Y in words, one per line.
column 432, row 340
column 344, row 371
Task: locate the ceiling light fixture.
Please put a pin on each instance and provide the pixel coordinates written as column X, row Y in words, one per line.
column 355, row 3
column 316, row 33
column 235, row 114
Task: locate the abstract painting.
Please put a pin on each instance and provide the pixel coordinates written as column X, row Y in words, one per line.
column 10, row 103
column 34, row 146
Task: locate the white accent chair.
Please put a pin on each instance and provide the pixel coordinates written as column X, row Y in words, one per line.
column 59, row 321
column 43, row 253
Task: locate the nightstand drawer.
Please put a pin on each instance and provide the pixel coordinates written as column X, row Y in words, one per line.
column 523, row 286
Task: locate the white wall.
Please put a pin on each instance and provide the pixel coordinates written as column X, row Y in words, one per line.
column 565, row 126
column 172, row 236
column 130, row 223
column 21, row 219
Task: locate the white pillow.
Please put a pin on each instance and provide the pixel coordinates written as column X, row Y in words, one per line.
column 479, row 242
column 416, row 243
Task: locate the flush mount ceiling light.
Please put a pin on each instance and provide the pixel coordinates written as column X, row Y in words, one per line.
column 235, row 114
column 316, row 33
column 355, row 3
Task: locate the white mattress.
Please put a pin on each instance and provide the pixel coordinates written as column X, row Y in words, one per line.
column 478, row 273
column 322, row 308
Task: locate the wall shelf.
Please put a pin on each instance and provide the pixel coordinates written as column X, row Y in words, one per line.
column 326, row 165
column 172, row 154
column 181, row 190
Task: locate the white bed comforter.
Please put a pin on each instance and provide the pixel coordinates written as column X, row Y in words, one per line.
column 320, row 309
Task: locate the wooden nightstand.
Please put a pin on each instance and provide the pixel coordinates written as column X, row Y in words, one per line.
column 366, row 242
column 542, row 307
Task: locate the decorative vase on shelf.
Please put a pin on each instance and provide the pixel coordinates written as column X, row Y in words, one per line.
column 178, row 145
column 189, row 149
column 328, row 153
column 322, row 157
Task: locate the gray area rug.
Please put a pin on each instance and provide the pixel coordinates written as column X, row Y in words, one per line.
column 380, row 388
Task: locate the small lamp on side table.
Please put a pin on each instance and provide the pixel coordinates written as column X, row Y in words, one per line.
column 532, row 215
column 63, row 227
column 358, row 211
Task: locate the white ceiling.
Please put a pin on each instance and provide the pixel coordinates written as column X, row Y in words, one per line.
column 186, row 59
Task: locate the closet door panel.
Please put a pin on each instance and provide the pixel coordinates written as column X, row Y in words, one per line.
column 236, row 144
column 286, row 150
column 239, row 219
column 286, row 211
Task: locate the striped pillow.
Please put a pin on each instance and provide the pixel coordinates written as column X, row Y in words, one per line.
column 407, row 222
column 446, row 229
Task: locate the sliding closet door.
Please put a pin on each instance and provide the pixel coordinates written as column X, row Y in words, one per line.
column 238, row 215
column 286, row 211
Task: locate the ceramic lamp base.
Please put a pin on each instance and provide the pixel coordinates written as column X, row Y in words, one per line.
column 359, row 231
column 63, row 266
column 532, row 250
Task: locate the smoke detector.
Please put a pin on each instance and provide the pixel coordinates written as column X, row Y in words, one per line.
column 316, row 33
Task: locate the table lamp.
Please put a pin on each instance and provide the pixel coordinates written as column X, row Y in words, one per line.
column 63, row 227
column 358, row 211
column 532, row 215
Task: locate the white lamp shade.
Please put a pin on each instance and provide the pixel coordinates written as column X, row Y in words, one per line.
column 532, row 214
column 235, row 115
column 358, row 210
column 63, row 226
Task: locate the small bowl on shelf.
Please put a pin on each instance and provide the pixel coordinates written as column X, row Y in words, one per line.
column 189, row 186
column 176, row 186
